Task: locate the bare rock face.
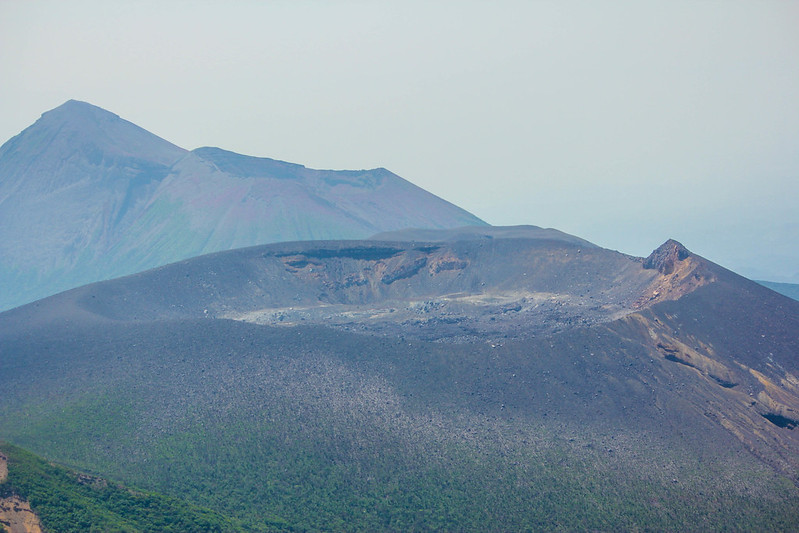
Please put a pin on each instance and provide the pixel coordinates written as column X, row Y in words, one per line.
column 666, row 256
column 16, row 515
column 680, row 272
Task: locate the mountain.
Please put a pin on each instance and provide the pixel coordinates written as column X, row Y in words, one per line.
column 87, row 196
column 478, row 379
column 790, row 290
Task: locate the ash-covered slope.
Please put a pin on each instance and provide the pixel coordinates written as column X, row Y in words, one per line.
column 473, row 383
column 86, row 196
column 524, row 282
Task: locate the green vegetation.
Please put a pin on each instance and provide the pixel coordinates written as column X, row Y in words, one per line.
column 367, row 435
column 320, row 478
column 66, row 501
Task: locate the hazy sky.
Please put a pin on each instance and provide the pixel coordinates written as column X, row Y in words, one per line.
column 625, row 123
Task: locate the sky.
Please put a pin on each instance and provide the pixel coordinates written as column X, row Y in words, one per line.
column 625, row 123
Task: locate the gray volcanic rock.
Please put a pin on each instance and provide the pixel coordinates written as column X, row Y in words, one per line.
column 318, row 365
column 666, row 256
column 86, row 196
column 454, row 290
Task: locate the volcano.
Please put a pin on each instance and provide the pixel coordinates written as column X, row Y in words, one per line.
column 86, row 195
column 471, row 379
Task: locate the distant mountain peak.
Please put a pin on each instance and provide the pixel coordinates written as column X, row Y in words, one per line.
column 87, row 195
column 77, row 127
column 76, row 116
column 72, row 108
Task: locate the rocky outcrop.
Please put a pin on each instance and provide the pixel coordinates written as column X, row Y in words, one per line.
column 16, row 515
column 666, row 256
column 681, row 272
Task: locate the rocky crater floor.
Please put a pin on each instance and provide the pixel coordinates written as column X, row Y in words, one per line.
column 392, row 291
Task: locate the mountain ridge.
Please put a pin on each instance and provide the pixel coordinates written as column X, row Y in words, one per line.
column 86, row 195
column 535, row 274
column 791, row 290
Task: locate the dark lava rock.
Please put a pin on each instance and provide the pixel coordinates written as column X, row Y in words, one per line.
column 664, row 257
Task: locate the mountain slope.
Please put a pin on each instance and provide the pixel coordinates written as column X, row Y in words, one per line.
column 86, row 196
column 532, row 282
column 399, row 385
column 791, row 290
column 67, row 501
column 68, row 185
